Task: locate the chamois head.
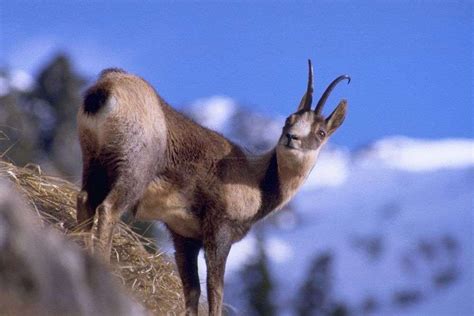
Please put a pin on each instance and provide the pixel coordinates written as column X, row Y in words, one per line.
column 306, row 130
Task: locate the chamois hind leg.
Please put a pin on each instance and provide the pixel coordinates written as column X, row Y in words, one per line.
column 217, row 247
column 94, row 190
column 130, row 181
column 85, row 217
column 186, row 254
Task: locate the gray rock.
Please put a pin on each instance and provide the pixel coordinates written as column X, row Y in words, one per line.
column 42, row 273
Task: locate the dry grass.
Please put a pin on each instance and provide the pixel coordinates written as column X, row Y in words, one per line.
column 150, row 277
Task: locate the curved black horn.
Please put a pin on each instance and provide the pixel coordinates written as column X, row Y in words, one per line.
column 324, row 97
column 307, row 100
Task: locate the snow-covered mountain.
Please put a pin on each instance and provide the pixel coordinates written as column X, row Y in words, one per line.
column 16, row 80
column 393, row 232
column 395, row 219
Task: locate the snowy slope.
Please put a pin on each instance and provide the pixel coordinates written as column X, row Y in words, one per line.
column 396, row 218
column 399, row 211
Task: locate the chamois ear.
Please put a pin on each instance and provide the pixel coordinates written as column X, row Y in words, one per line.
column 337, row 117
column 307, row 99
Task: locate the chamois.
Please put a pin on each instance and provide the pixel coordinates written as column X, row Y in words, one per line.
column 139, row 154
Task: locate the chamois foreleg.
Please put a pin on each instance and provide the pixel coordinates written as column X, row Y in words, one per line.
column 217, row 247
column 186, row 254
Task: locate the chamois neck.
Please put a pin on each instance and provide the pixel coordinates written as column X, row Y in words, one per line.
column 279, row 181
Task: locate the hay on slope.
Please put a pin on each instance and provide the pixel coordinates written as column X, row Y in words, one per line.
column 150, row 277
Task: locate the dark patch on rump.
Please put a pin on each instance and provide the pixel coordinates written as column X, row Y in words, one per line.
column 95, row 99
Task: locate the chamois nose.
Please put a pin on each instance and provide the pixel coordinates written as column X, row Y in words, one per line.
column 291, row 136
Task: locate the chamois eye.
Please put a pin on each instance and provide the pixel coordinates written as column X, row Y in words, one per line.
column 321, row 133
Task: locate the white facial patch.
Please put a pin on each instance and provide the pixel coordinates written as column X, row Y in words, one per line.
column 302, row 128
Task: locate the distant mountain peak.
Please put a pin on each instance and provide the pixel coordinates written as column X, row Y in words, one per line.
column 17, row 80
column 418, row 155
column 213, row 112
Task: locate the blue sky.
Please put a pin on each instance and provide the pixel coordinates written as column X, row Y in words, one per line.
column 411, row 62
